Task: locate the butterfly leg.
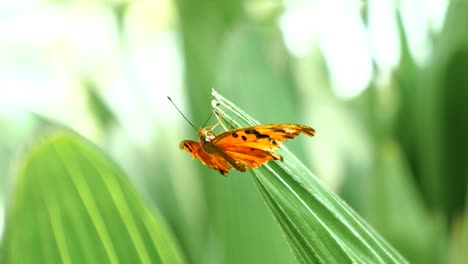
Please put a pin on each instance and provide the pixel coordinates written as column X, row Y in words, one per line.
column 212, row 127
column 223, row 124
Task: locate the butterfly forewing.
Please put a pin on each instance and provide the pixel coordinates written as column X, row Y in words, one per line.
column 214, row 161
column 261, row 136
column 255, row 145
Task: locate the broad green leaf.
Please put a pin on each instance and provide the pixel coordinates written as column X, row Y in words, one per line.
column 71, row 204
column 432, row 102
column 319, row 226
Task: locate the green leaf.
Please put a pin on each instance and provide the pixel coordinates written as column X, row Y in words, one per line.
column 393, row 195
column 319, row 226
column 98, row 107
column 459, row 238
column 71, row 204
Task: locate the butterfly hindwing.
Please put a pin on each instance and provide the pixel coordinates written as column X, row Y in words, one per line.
column 252, row 157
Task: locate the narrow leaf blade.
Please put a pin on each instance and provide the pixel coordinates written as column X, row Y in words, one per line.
column 320, row 227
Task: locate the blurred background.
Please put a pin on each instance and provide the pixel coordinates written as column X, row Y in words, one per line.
column 384, row 83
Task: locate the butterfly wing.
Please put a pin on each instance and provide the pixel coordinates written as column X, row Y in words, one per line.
column 214, row 161
column 253, row 146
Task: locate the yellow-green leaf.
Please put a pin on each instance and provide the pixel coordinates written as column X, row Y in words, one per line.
column 71, row 204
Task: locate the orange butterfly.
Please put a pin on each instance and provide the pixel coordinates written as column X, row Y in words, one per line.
column 242, row 148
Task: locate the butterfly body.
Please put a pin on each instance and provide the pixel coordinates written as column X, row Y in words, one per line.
column 205, row 136
column 242, row 148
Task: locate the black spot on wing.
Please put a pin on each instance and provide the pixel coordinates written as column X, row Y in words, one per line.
column 234, row 135
column 223, row 172
column 289, row 135
column 187, row 146
column 256, row 133
column 244, row 138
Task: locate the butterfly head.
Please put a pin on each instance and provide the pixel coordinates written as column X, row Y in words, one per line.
column 205, row 135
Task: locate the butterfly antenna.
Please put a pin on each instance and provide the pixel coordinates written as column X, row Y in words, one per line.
column 182, row 114
column 215, row 104
column 208, row 119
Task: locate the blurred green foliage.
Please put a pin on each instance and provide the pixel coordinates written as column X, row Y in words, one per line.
column 396, row 152
column 72, row 205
